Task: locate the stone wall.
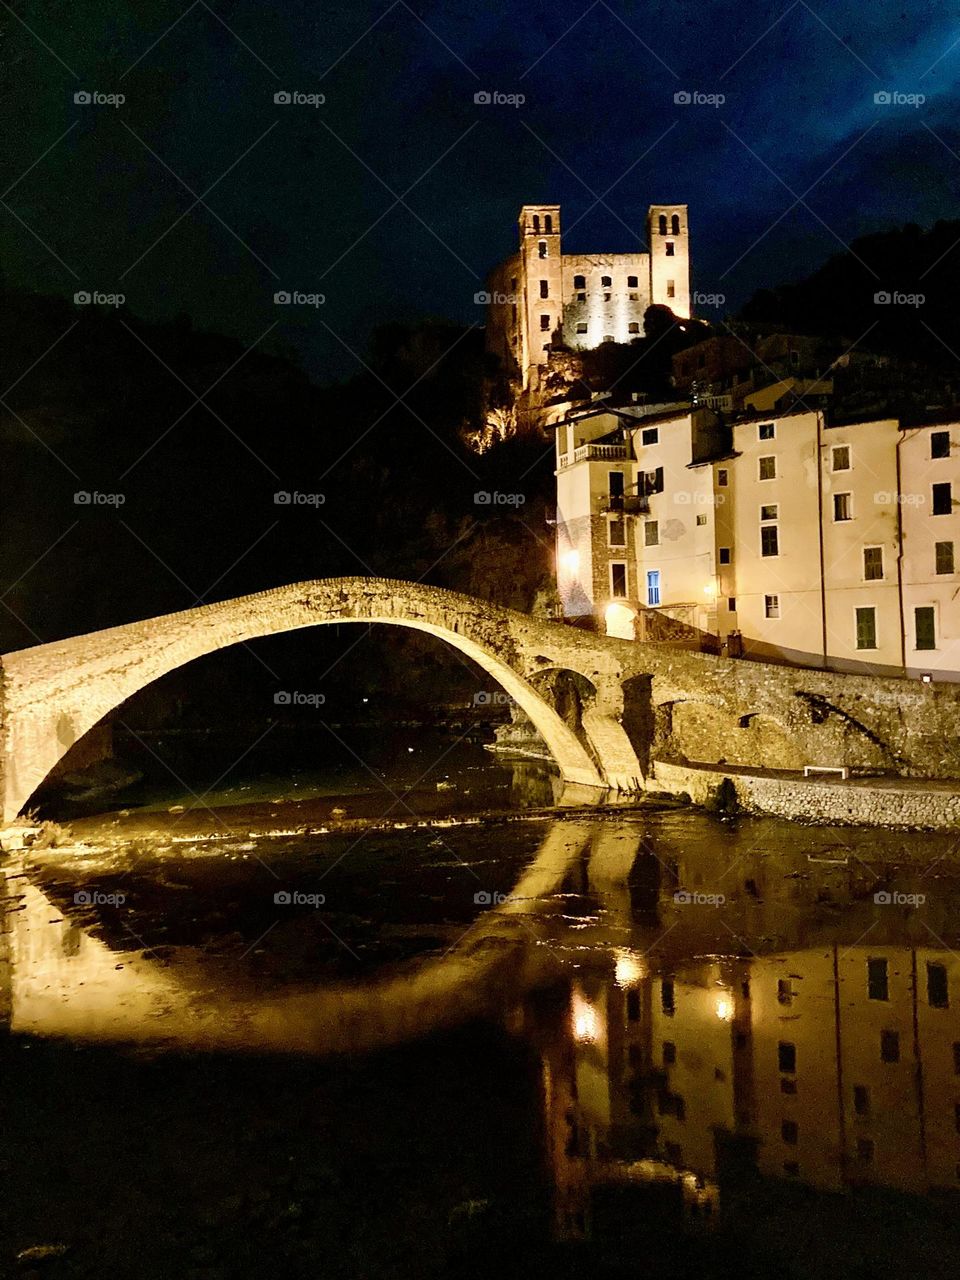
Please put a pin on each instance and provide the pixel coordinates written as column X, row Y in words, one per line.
column 833, row 801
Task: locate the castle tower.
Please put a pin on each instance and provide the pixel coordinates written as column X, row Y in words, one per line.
column 668, row 235
column 541, row 282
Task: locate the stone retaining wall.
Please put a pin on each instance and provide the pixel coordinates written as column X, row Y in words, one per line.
column 821, row 801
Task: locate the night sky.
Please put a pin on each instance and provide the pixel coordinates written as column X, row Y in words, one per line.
column 395, row 197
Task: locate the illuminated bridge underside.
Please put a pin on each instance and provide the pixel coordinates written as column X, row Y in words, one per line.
column 645, row 700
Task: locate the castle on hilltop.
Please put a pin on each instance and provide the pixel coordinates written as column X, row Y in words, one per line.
column 541, row 296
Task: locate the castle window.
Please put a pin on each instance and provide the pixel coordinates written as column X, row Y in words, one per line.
column 675, row 224
column 671, row 289
column 544, row 288
column 536, row 222
column 581, row 326
column 542, row 248
column 668, row 248
column 632, row 282
column 606, row 282
column 889, row 1046
column 579, row 282
column 944, row 551
column 618, row 580
column 545, row 323
column 618, row 533
column 663, row 224
column 633, row 327
column 548, row 223
column 581, row 297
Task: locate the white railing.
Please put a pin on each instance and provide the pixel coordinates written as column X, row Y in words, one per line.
column 601, row 452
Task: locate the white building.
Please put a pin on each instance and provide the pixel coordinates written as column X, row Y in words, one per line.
column 781, row 537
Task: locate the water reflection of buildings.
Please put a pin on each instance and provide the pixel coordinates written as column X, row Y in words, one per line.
column 831, row 1067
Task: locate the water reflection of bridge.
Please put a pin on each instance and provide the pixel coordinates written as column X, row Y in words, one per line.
column 819, row 1045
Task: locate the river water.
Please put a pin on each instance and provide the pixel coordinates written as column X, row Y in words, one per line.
column 268, row 1034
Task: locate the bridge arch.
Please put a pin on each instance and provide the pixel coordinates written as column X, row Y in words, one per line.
column 53, row 694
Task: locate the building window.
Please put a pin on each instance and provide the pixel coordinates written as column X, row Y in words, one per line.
column 675, row 224
column 544, row 288
column 536, row 222
column 608, row 337
column 944, row 552
column 873, row 564
column 579, row 282
column 940, row 444
column 545, row 323
column 861, row 1099
column 669, row 1053
column 548, row 223
column 542, row 248
column 668, row 248
column 865, row 1150
column 925, row 627
column 956, row 1057
column 867, row 628
column 769, row 511
column 889, row 1046
column 789, row 1132
column 842, row 507
column 766, row 431
column 633, row 327
column 650, row 435
column 653, row 587
column 606, row 282
column 732, row 604
column 722, row 477
column 662, row 223
column 581, row 326
column 581, row 297
column 667, row 1002
column 771, row 606
column 877, row 987
column 769, row 540
column 618, row 580
column 942, row 499
column 840, row 457
column 938, row 995
column 787, row 1058
column 651, row 533
column 615, row 490
column 701, row 520
column 633, row 1009
column 724, row 555
column 768, row 468
column 618, row 533
column 632, row 282
column 671, row 289
column 784, row 991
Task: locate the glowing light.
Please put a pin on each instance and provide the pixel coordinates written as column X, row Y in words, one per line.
column 570, row 560
column 620, row 621
column 710, row 590
column 586, row 1022
column 630, row 969
column 724, row 1009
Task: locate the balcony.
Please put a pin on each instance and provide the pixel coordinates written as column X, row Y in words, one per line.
column 601, row 453
column 628, row 504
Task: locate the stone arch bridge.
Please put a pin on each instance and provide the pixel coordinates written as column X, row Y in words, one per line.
column 633, row 702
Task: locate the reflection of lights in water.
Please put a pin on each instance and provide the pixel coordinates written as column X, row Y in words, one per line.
column 571, row 561
column 586, row 1023
column 620, row 621
column 629, row 969
column 724, row 1008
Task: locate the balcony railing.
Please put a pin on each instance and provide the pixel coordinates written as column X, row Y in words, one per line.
column 601, row 453
column 630, row 504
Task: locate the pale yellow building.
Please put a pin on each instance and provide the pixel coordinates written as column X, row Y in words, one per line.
column 779, row 537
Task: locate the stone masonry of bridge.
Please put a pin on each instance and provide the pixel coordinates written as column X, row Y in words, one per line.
column 646, row 701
